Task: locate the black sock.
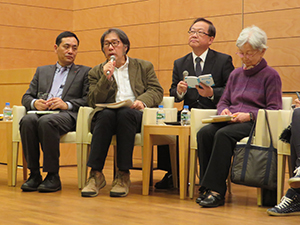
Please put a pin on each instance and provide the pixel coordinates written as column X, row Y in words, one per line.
column 52, row 173
column 297, row 190
column 35, row 171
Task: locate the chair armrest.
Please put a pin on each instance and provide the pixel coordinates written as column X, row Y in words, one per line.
column 168, row 102
column 261, row 130
column 86, row 126
column 18, row 113
column 196, row 123
column 286, row 103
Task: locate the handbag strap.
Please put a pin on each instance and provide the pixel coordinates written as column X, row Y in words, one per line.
column 251, row 134
column 267, row 120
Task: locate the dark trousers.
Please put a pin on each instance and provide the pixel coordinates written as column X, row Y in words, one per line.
column 45, row 130
column 123, row 122
column 216, row 143
column 295, row 139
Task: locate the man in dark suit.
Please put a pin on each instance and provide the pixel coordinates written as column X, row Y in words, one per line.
column 201, row 35
column 62, row 87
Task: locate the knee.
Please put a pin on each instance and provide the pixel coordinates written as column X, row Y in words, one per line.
column 127, row 115
column 28, row 119
column 296, row 116
column 202, row 132
column 45, row 122
column 104, row 116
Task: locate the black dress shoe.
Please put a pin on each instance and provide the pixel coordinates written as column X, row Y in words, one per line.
column 32, row 183
column 50, row 184
column 166, row 182
column 212, row 200
column 203, row 192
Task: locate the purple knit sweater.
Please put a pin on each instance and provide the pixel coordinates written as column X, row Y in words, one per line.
column 251, row 90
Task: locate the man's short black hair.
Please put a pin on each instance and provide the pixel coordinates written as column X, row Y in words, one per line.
column 121, row 34
column 211, row 28
column 64, row 35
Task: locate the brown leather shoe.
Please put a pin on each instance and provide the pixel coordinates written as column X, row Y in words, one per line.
column 120, row 186
column 95, row 182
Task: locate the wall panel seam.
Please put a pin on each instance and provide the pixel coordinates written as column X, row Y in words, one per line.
column 105, row 6
column 35, row 6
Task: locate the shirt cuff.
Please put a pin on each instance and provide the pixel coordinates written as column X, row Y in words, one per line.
column 180, row 96
column 32, row 104
column 70, row 106
column 212, row 97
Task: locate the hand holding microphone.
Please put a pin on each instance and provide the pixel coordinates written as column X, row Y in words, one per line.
column 185, row 74
column 111, row 67
column 182, row 85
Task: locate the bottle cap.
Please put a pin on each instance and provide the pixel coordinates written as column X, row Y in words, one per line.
column 186, row 107
column 160, row 106
column 7, row 104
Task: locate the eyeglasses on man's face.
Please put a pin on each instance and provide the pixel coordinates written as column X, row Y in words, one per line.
column 113, row 43
column 197, row 32
column 247, row 55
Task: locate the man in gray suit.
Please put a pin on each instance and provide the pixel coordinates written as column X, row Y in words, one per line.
column 119, row 78
column 63, row 88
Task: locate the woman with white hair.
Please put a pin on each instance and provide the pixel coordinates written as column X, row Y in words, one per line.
column 252, row 87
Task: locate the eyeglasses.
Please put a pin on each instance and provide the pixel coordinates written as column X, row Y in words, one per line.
column 247, row 55
column 114, row 43
column 197, row 32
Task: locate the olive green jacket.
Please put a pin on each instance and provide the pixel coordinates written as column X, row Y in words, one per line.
column 143, row 81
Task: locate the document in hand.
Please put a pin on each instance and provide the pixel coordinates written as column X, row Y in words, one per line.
column 42, row 112
column 217, row 119
column 116, row 105
column 193, row 81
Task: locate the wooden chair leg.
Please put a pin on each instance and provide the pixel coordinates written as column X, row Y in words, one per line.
column 115, row 161
column 85, row 153
column 79, row 164
column 259, row 197
column 229, row 182
column 14, row 163
column 193, row 168
column 24, row 168
column 173, row 159
column 281, row 159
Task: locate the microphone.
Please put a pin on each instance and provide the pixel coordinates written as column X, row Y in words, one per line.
column 111, row 59
column 185, row 74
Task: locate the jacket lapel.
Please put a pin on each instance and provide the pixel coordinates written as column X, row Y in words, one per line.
column 70, row 78
column 209, row 62
column 190, row 65
column 49, row 79
column 132, row 74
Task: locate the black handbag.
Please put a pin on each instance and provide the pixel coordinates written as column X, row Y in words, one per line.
column 253, row 165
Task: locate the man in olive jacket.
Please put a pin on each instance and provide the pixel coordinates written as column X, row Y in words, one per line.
column 119, row 78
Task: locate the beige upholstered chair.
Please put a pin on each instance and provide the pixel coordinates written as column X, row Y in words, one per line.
column 74, row 137
column 196, row 124
column 262, row 135
column 283, row 152
column 148, row 118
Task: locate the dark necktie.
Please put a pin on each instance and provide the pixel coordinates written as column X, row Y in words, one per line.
column 198, row 66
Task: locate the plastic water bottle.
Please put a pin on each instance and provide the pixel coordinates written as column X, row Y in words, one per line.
column 7, row 112
column 160, row 115
column 185, row 116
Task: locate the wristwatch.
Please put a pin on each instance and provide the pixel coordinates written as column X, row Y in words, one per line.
column 251, row 116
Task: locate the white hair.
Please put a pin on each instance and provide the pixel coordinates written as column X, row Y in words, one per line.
column 255, row 36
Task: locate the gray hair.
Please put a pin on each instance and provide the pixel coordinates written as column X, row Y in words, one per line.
column 255, row 36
